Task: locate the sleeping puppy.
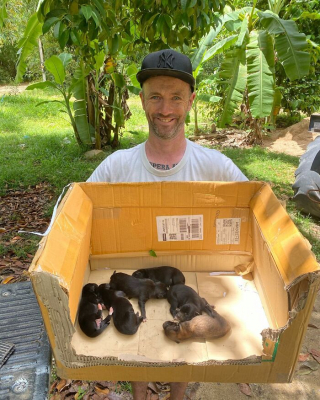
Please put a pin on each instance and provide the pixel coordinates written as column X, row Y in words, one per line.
column 90, row 311
column 124, row 317
column 201, row 326
column 142, row 289
column 167, row 275
column 185, row 303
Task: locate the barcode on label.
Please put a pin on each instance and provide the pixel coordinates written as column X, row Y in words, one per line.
column 180, row 228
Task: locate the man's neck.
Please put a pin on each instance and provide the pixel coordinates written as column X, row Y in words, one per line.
column 165, row 154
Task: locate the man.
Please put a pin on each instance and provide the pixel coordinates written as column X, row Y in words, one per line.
column 167, row 96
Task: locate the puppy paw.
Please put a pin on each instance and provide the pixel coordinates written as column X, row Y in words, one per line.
column 110, row 311
column 103, row 307
column 144, row 320
column 98, row 323
column 99, row 306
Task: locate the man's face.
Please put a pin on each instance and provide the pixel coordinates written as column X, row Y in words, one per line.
column 166, row 102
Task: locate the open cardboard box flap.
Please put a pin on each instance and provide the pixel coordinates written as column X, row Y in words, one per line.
column 244, row 231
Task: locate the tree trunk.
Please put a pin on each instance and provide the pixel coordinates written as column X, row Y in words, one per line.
column 44, row 78
column 196, row 126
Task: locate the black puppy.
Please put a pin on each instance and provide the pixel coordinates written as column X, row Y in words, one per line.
column 167, row 275
column 90, row 311
column 185, row 303
column 142, row 289
column 124, row 318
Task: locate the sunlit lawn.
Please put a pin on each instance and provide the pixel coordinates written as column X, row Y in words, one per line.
column 37, row 145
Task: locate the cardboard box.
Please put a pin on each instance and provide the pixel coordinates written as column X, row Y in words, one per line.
column 240, row 250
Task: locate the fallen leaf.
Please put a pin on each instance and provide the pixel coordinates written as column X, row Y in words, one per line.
column 102, row 391
column 308, row 367
column 303, row 357
column 245, row 389
column 304, row 371
column 313, row 326
column 63, row 385
column 114, row 396
column 7, row 279
column 315, row 354
column 153, row 386
column 2, row 230
column 152, row 253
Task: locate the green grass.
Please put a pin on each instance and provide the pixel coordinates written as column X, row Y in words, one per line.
column 37, row 145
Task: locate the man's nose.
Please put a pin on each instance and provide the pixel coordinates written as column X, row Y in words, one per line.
column 165, row 107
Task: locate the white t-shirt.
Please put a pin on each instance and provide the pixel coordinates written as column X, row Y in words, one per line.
column 197, row 164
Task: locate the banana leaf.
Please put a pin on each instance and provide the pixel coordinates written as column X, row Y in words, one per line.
column 260, row 69
column 289, row 43
column 80, row 106
column 55, row 65
column 27, row 44
column 220, row 47
column 41, row 85
column 3, row 12
column 205, row 42
column 234, row 71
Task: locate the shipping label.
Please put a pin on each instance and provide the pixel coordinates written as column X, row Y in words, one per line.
column 228, row 230
column 180, row 228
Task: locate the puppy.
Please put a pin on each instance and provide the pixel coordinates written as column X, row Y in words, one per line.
column 167, row 275
column 201, row 326
column 185, row 303
column 90, row 311
column 124, row 318
column 142, row 289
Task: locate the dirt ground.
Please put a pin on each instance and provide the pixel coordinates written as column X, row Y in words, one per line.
column 306, row 381
column 292, row 140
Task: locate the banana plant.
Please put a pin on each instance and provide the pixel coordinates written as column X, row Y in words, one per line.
column 256, row 41
column 77, row 114
column 201, row 55
column 3, row 12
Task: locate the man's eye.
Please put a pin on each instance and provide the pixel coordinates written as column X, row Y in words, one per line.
column 177, row 98
column 155, row 97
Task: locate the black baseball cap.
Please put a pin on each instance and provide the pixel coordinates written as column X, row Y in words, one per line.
column 168, row 63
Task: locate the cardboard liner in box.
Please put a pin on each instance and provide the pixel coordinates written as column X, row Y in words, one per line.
column 251, row 263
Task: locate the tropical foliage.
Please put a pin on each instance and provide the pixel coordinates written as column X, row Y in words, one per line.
column 102, row 36
column 3, row 12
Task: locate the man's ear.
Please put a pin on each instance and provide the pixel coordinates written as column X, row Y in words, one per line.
column 191, row 99
column 142, row 99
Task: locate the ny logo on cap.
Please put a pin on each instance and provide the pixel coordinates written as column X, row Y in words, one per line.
column 165, row 60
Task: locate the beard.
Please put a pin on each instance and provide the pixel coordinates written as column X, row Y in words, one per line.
column 166, row 133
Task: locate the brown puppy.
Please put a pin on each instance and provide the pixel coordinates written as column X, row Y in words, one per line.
column 90, row 311
column 185, row 303
column 124, row 318
column 167, row 275
column 142, row 289
column 202, row 326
